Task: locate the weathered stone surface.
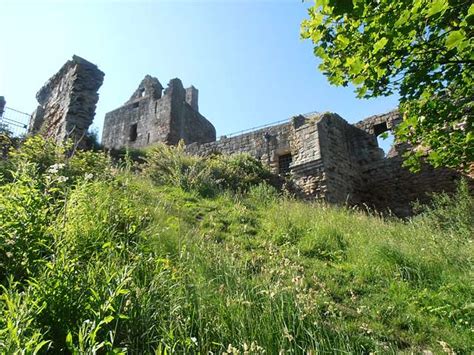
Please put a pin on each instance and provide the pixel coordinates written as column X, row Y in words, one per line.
column 387, row 186
column 150, row 116
column 380, row 123
column 326, row 157
column 339, row 162
column 67, row 102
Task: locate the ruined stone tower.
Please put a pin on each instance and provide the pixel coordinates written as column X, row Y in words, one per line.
column 67, row 101
column 150, row 116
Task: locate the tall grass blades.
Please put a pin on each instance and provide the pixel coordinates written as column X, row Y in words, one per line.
column 181, row 254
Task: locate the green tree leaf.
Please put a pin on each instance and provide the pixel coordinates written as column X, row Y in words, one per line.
column 421, row 49
column 379, row 44
column 437, row 6
column 454, row 39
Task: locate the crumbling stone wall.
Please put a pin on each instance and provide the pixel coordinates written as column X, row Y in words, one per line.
column 326, row 153
column 378, row 124
column 262, row 144
column 388, row 186
column 326, row 157
column 339, row 162
column 67, row 101
column 344, row 148
column 151, row 116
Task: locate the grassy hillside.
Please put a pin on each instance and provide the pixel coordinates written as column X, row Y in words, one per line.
column 190, row 255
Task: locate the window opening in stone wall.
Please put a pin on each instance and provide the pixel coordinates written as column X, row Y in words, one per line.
column 284, row 162
column 380, row 128
column 133, row 132
column 135, row 105
column 385, row 141
column 148, row 137
column 142, row 93
column 384, row 136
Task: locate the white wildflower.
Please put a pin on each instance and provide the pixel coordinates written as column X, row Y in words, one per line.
column 62, row 178
column 53, row 169
column 89, row 176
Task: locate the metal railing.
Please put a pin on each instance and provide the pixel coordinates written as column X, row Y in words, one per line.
column 238, row 133
column 14, row 121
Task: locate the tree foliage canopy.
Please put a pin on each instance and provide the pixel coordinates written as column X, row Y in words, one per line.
column 422, row 49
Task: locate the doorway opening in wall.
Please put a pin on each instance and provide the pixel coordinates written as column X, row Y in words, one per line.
column 284, row 162
column 385, row 137
column 133, row 132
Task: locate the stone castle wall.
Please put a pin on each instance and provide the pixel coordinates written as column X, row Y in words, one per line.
column 67, row 102
column 339, row 162
column 325, row 152
column 326, row 157
column 387, row 185
column 151, row 116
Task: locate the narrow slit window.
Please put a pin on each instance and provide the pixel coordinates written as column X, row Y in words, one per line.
column 284, row 162
column 133, row 132
column 148, row 138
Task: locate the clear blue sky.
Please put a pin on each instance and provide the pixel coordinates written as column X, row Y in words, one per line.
column 245, row 57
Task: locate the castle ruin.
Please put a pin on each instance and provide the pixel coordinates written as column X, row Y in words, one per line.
column 326, row 157
column 151, row 115
column 67, row 102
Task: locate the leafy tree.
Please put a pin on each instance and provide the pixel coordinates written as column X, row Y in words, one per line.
column 422, row 49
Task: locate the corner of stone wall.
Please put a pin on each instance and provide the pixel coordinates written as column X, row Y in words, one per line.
column 67, row 101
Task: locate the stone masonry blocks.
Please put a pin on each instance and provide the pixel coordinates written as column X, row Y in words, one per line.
column 67, row 102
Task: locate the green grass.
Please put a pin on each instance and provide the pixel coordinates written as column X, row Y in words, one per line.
column 124, row 263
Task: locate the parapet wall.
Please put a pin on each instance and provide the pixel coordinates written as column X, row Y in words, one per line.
column 67, row 101
column 378, row 124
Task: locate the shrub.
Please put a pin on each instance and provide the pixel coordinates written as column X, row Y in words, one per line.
column 26, row 211
column 49, row 157
column 167, row 165
column 238, row 172
column 101, row 215
column 115, row 263
column 451, row 213
column 171, row 165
